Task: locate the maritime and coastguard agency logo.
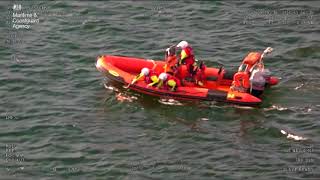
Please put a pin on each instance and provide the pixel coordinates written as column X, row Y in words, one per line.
column 16, row 7
column 23, row 19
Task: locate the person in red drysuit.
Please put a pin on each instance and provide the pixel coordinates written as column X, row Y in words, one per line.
column 187, row 57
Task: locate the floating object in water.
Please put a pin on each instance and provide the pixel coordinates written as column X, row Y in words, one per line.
column 291, row 136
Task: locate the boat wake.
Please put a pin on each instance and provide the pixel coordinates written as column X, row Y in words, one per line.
column 306, row 109
column 275, row 107
column 242, row 107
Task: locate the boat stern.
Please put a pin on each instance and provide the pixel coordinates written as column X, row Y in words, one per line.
column 242, row 98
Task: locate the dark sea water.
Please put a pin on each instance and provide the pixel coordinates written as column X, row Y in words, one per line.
column 61, row 119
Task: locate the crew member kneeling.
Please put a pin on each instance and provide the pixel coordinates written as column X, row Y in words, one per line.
column 144, row 73
column 168, row 82
column 150, row 77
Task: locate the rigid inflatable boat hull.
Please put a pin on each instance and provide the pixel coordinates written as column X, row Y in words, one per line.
column 217, row 87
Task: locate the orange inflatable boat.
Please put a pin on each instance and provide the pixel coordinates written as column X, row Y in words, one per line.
column 218, row 85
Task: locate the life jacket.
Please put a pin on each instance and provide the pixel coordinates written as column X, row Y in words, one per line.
column 187, row 56
column 171, row 61
column 241, row 81
column 152, row 77
column 171, row 82
column 251, row 59
column 170, row 77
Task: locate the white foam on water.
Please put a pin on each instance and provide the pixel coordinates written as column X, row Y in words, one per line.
column 204, row 119
column 171, row 102
column 298, row 87
column 110, row 88
column 276, row 107
column 243, row 107
column 123, row 97
column 292, row 136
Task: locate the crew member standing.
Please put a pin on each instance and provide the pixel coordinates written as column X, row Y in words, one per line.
column 187, row 58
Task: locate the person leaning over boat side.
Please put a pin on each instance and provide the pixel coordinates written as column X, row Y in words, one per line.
column 150, row 77
column 168, row 81
column 144, row 73
column 172, row 83
column 187, row 57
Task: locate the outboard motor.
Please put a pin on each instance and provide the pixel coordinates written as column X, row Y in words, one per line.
column 259, row 75
column 251, row 74
column 257, row 82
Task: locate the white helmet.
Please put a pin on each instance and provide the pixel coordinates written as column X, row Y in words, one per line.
column 183, row 44
column 145, row 71
column 163, row 76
